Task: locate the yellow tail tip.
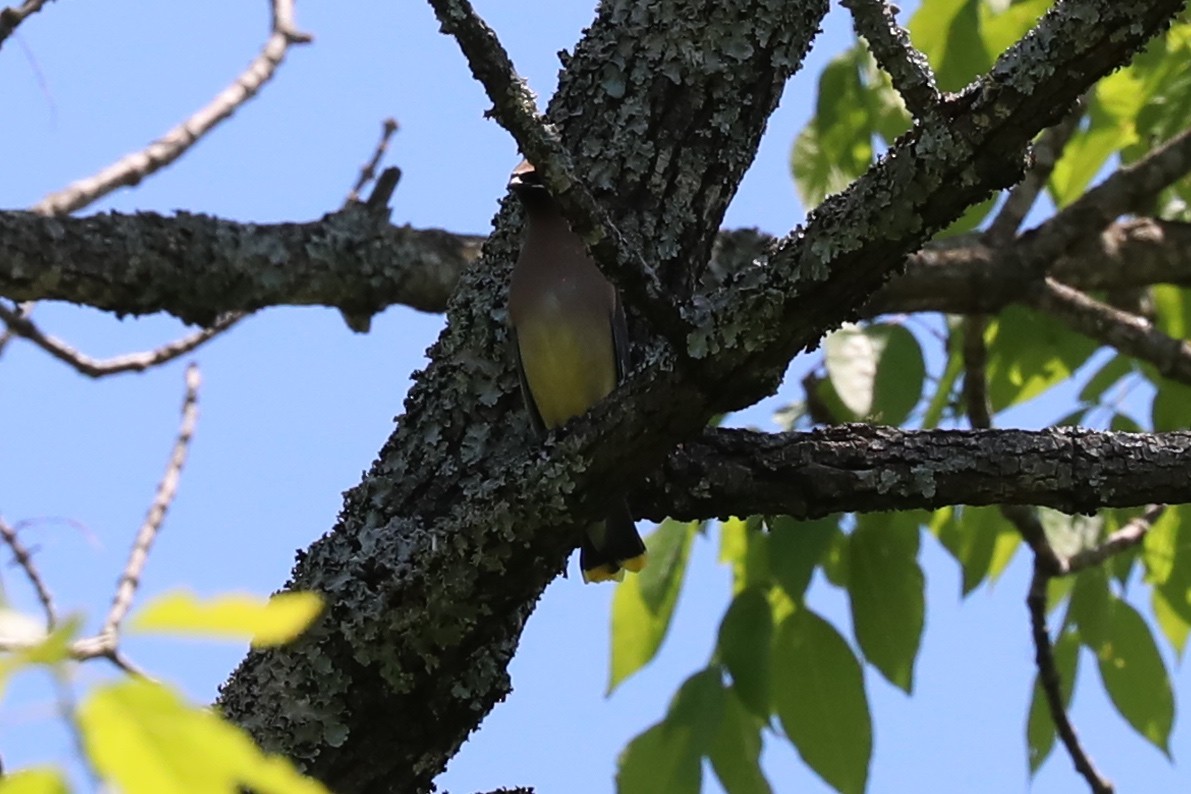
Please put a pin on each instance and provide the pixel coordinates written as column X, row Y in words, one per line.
column 603, row 573
column 636, row 563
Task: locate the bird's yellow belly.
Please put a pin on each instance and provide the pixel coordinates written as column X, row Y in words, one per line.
column 568, row 368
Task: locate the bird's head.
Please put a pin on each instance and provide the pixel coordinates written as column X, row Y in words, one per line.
column 526, row 185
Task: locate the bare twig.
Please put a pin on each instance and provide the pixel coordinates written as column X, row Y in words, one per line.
column 23, row 558
column 126, row 588
column 1051, row 683
column 975, row 356
column 890, row 45
column 515, row 109
column 11, row 17
column 1128, row 536
column 368, row 172
column 1128, row 333
column 131, row 362
column 131, row 169
column 1021, row 198
column 22, row 311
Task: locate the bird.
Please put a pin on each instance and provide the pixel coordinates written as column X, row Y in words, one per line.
column 571, row 346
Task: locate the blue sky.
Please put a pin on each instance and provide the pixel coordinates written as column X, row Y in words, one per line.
column 294, row 406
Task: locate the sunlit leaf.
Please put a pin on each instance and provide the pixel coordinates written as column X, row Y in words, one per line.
column 1091, row 607
column 948, row 33
column 981, row 540
column 264, row 621
column 821, row 702
column 43, row 780
column 1174, row 626
column 836, row 146
column 877, row 371
column 643, row 604
column 1029, row 353
column 144, row 739
column 745, row 547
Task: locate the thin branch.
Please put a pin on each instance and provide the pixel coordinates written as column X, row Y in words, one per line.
column 515, row 109
column 132, row 168
column 131, row 362
column 1128, row 333
column 25, row 560
column 1125, row 538
column 1022, row 196
column 368, row 172
column 975, row 358
column 890, row 44
column 126, row 588
column 11, row 17
column 1126, row 190
column 1051, row 683
column 22, row 311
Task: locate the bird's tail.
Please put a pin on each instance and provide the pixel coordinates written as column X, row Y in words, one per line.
column 612, row 547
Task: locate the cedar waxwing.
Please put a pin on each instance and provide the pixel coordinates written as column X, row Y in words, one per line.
column 572, row 348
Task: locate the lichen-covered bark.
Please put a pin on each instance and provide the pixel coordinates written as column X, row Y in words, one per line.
column 197, row 267
column 435, row 564
column 441, row 551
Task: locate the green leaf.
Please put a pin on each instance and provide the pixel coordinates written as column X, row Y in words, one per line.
column 948, row 33
column 643, row 604
column 746, row 548
column 1174, row 626
column 263, row 621
column 668, row 756
column 1171, row 408
column 736, row 751
column 1172, row 312
column 877, row 371
column 885, row 586
column 745, row 646
column 944, row 396
column 796, row 548
column 40, row 780
column 971, row 219
column 1000, row 29
column 1029, row 353
column 1166, row 553
column 1091, row 605
column 821, row 701
column 1135, row 677
column 1040, row 727
column 141, row 737
column 836, row 146
column 980, row 539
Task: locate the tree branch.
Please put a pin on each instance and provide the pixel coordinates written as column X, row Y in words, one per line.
column 908, row 69
column 515, row 109
column 867, row 468
column 1051, row 683
column 20, row 325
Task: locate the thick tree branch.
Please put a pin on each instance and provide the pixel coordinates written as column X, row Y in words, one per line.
column 198, row 268
column 515, row 109
column 352, row 260
column 867, row 468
